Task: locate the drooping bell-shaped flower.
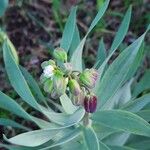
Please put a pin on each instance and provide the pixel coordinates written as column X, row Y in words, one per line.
column 60, row 54
column 74, row 87
column 90, row 103
column 47, row 63
column 48, row 71
column 79, row 99
column 59, row 85
column 88, row 77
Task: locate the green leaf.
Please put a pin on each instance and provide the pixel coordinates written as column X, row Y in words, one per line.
column 75, row 41
column 136, row 63
column 116, row 138
column 145, row 114
column 121, row 148
column 101, row 55
column 122, row 31
column 9, row 104
column 8, row 122
column 122, row 96
column 40, row 137
column 5, row 41
column 69, row 30
column 99, row 15
column 117, row 40
column 3, row 6
column 140, row 145
column 65, row 120
column 143, row 84
column 33, row 85
column 102, row 146
column 17, row 79
column 74, row 145
column 90, row 138
column 64, row 138
column 102, row 131
column 67, row 104
column 77, row 65
column 123, row 120
column 117, row 72
column 137, row 104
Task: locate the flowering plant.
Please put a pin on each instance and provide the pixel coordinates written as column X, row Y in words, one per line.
column 96, row 109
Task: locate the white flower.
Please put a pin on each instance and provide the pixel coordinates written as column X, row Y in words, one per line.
column 48, row 71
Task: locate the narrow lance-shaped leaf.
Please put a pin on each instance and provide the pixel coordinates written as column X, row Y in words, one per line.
column 8, row 122
column 122, row 31
column 67, row 104
column 117, row 41
column 124, row 121
column 64, row 138
column 33, row 85
column 75, row 41
column 103, row 146
column 101, row 55
column 69, row 30
column 66, row 120
column 91, row 140
column 143, row 84
column 121, row 148
column 137, row 104
column 16, row 78
column 116, row 74
column 40, row 137
column 4, row 38
column 77, row 65
column 9, row 104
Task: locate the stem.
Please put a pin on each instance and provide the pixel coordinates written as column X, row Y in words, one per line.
column 86, row 119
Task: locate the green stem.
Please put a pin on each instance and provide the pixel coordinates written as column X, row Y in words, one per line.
column 86, row 120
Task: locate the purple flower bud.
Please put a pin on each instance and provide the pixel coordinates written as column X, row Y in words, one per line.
column 90, row 103
column 89, row 77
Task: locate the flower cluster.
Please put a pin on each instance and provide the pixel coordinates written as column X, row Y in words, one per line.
column 58, row 78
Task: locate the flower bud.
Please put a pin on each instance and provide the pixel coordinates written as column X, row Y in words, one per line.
column 59, row 83
column 79, row 99
column 90, row 103
column 48, row 86
column 89, row 77
column 48, row 71
column 60, row 54
column 74, row 87
column 67, row 67
column 47, row 63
